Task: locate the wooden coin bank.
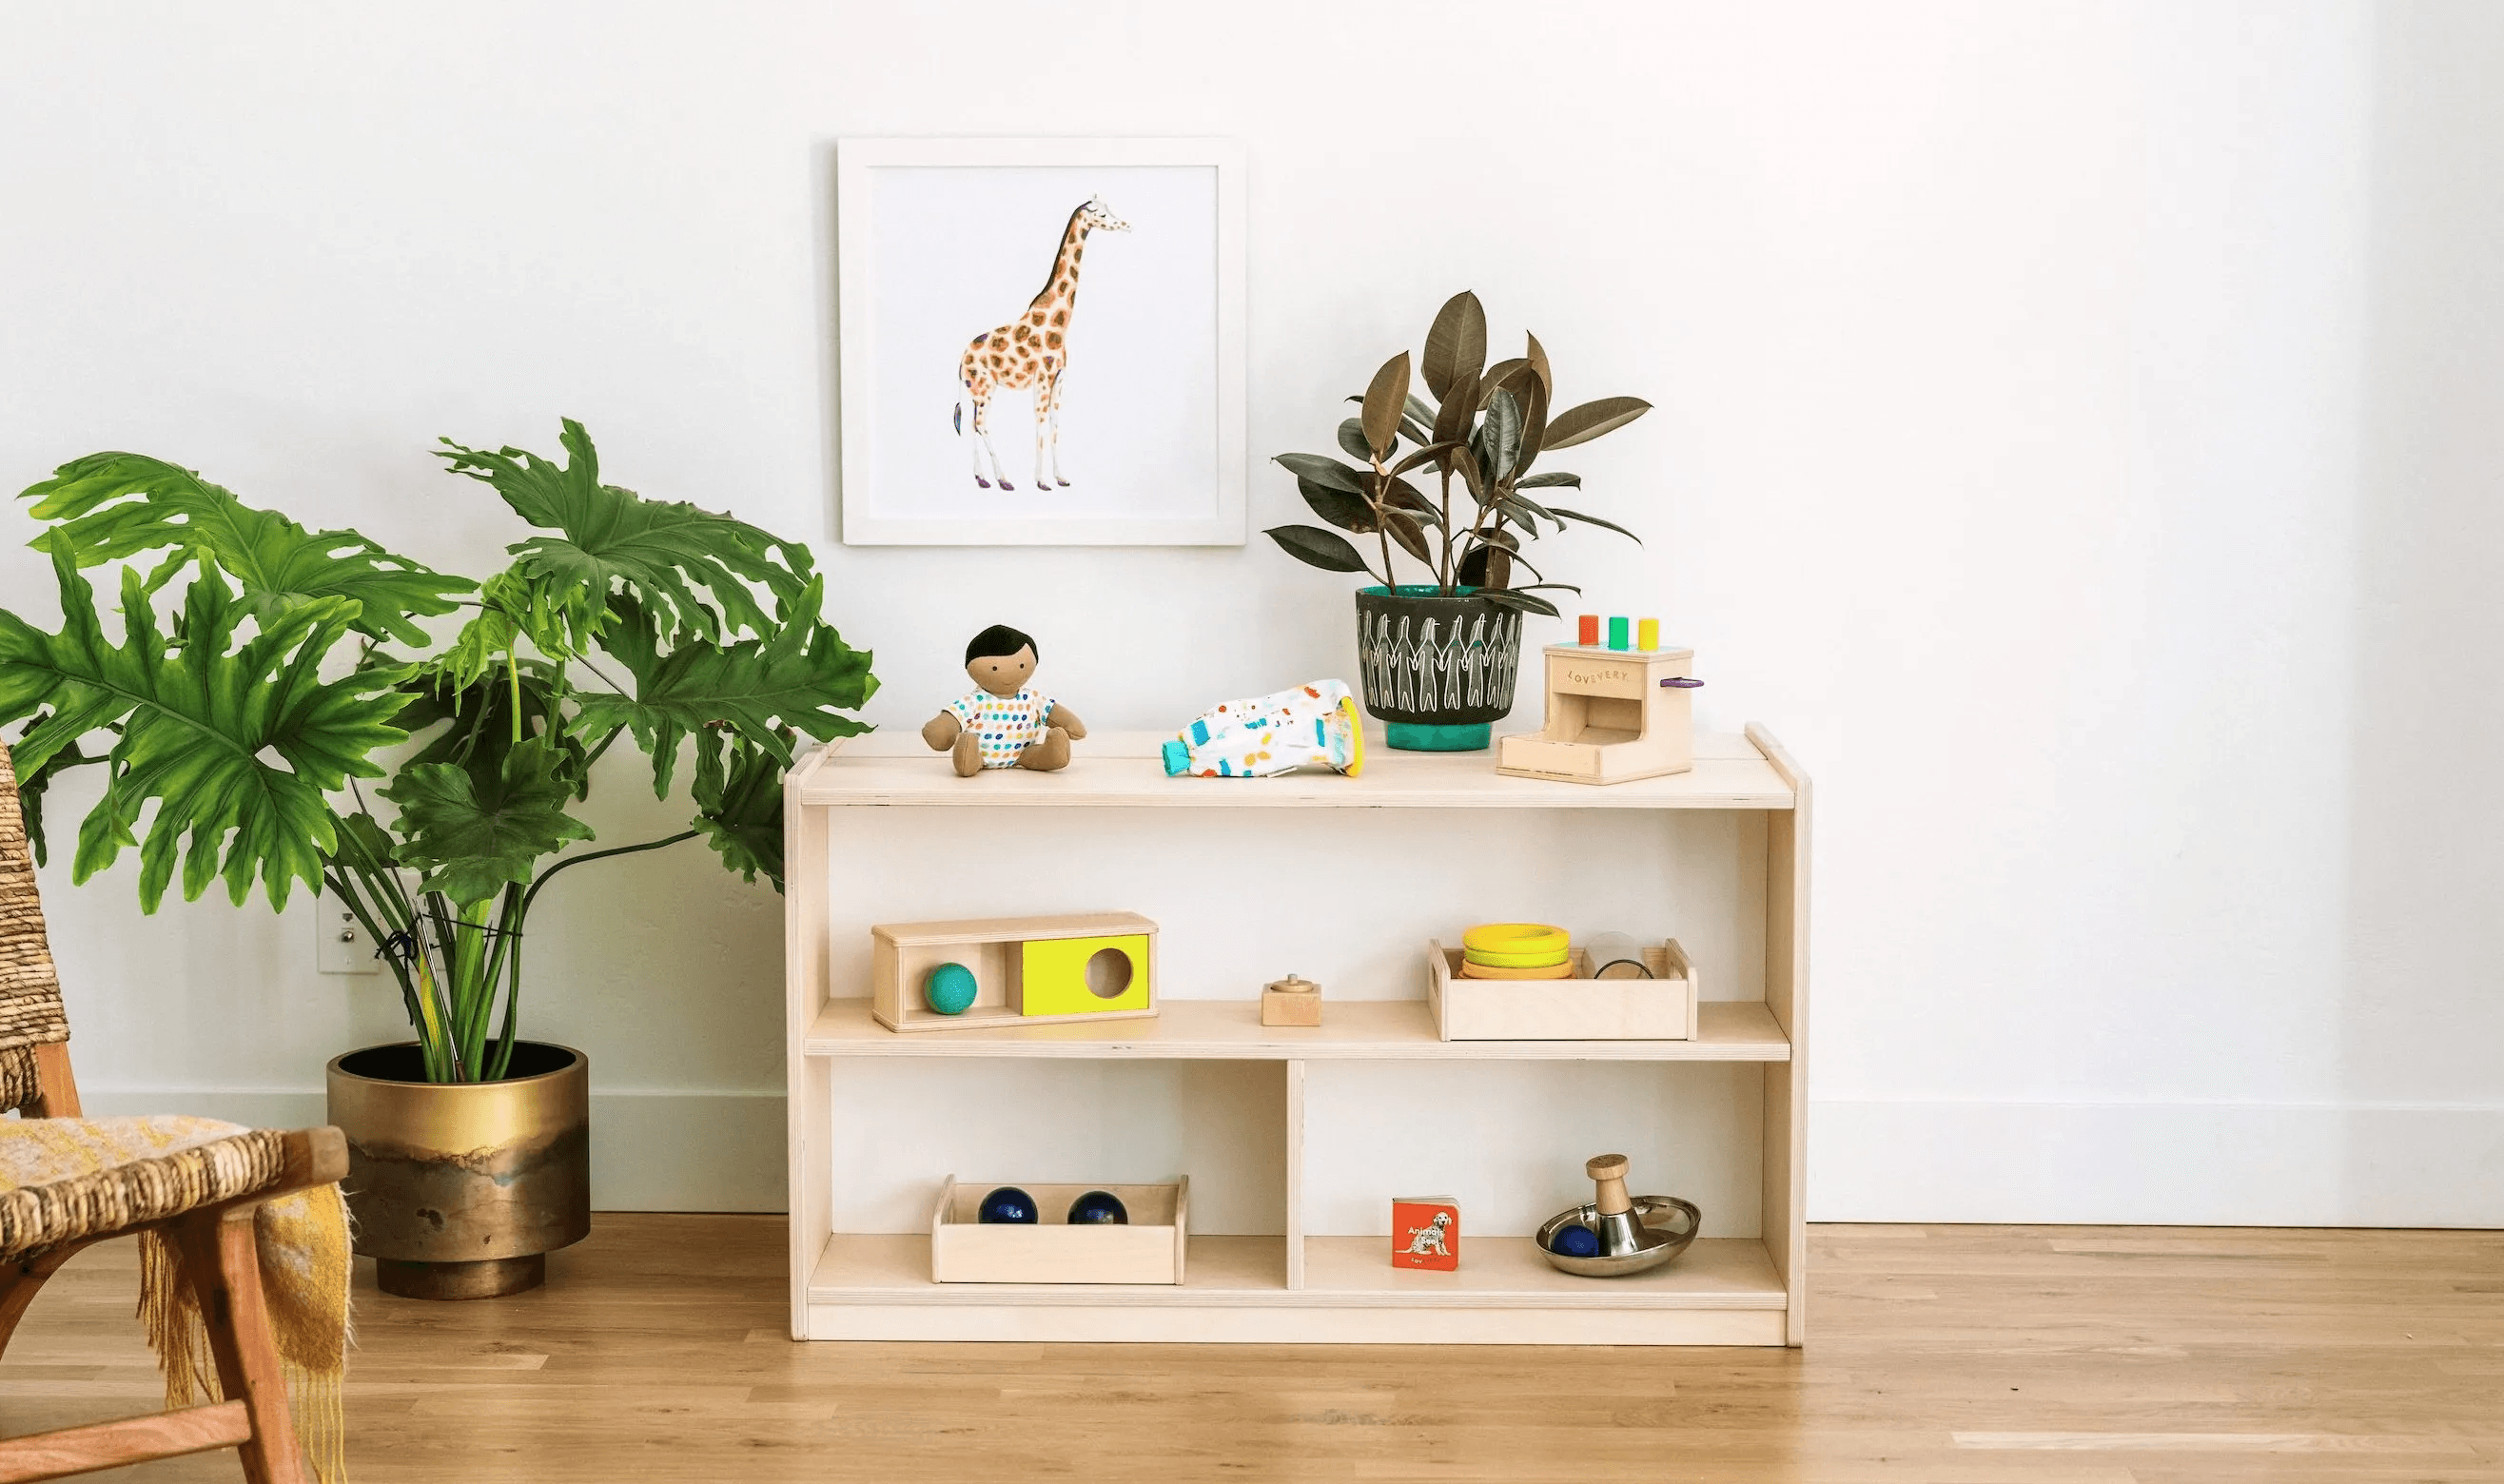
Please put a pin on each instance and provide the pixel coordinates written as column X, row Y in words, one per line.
column 1614, row 715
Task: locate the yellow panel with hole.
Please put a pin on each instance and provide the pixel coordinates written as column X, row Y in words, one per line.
column 1079, row 976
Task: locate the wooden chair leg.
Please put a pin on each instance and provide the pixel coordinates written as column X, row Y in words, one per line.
column 19, row 1282
column 224, row 1268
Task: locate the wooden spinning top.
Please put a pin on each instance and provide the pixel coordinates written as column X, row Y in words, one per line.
column 1609, row 1173
column 1614, row 1221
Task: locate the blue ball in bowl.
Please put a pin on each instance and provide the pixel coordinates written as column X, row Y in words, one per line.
column 1099, row 1208
column 949, row 989
column 1008, row 1206
column 1573, row 1242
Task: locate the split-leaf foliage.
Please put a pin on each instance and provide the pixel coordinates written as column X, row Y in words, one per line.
column 1478, row 426
column 236, row 715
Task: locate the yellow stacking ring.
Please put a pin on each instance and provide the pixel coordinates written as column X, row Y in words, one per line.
column 1546, row 958
column 1514, row 938
column 1558, row 969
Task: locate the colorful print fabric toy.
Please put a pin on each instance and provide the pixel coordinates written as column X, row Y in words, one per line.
column 1273, row 734
column 1003, row 723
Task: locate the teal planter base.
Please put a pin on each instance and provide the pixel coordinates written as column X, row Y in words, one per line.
column 1414, row 736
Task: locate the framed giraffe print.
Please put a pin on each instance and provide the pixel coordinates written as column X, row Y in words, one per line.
column 1040, row 341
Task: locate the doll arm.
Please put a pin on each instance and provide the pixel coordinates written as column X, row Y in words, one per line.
column 1066, row 720
column 940, row 731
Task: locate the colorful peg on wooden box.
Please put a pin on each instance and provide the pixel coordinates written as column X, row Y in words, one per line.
column 1586, row 629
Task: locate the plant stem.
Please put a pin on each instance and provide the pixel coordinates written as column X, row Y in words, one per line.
column 515, row 918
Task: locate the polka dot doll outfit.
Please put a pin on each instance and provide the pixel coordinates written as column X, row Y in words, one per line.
column 1007, row 725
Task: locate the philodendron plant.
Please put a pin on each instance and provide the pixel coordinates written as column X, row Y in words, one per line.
column 245, row 707
column 1485, row 427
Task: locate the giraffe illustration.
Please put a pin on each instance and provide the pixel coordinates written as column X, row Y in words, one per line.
column 1031, row 350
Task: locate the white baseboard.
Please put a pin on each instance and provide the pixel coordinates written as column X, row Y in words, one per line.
column 2190, row 1164
column 651, row 1151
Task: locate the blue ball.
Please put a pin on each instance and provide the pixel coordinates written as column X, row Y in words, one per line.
column 1099, row 1208
column 949, row 989
column 1574, row 1242
column 1008, row 1206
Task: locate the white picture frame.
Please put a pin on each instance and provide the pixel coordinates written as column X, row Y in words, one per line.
column 938, row 243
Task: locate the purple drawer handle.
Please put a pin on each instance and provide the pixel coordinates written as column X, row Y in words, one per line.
column 1682, row 682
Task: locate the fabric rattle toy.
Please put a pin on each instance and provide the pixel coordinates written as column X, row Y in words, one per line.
column 1273, row 734
column 1002, row 723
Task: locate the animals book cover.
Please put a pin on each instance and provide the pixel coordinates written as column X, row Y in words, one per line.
column 1426, row 1233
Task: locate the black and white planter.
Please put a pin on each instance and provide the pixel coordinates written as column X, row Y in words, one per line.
column 1436, row 670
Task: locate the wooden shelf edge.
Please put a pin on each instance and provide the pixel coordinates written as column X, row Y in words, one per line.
column 1716, row 1274
column 1230, row 1030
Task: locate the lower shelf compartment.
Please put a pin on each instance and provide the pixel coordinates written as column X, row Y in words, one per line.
column 1723, row 1292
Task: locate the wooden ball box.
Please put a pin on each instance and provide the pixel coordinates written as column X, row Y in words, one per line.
column 1661, row 1007
column 1149, row 1250
column 1026, row 970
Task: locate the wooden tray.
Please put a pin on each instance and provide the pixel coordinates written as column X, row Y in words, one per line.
column 1661, row 1007
column 1149, row 1250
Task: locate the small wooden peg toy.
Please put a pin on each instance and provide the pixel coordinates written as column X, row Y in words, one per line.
column 1291, row 1001
column 1003, row 723
column 1614, row 715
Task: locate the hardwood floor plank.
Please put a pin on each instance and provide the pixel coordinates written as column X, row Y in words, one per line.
column 1942, row 1355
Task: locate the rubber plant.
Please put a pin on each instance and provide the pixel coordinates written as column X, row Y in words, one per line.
column 294, row 663
column 1485, row 427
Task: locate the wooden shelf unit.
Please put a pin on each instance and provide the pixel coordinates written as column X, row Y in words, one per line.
column 1297, row 1287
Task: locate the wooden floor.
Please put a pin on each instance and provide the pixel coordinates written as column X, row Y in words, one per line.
column 1949, row 1355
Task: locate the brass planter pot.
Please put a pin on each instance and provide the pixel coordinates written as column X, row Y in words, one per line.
column 460, row 1190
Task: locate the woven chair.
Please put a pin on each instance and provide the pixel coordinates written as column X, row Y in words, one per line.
column 201, row 1197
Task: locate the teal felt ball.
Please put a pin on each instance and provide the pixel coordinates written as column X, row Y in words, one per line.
column 949, row 989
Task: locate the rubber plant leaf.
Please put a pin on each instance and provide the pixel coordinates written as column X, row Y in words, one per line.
column 1351, row 438
column 1348, row 512
column 670, row 555
column 1582, row 423
column 115, row 505
column 1500, row 435
column 235, row 743
column 1455, row 348
column 1536, row 355
column 1550, row 481
column 1323, row 471
column 1563, row 514
column 474, row 836
column 738, row 803
column 1516, row 598
column 800, row 680
column 1411, row 536
column 1315, row 547
column 1384, row 401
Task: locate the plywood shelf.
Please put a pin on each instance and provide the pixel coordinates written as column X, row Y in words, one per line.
column 1122, row 769
column 1509, row 1273
column 858, row 1088
column 1230, row 1031
column 1340, row 1273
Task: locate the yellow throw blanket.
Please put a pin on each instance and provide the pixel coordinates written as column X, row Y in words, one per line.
column 304, row 1262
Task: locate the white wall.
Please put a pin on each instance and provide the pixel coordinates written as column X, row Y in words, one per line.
column 2076, row 440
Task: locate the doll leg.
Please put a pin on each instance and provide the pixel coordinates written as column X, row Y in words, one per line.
column 968, row 754
column 1048, row 755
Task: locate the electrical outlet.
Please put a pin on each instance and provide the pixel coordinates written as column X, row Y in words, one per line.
column 342, row 946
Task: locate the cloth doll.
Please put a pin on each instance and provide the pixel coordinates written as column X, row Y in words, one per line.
column 1002, row 723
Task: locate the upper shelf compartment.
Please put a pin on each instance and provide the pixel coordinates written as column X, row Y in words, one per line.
column 1120, row 770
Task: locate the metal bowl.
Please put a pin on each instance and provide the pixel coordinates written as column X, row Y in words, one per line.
column 1651, row 1211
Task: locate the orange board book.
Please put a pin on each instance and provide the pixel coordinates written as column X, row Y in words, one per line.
column 1426, row 1233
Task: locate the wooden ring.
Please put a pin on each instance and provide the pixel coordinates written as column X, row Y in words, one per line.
column 1539, row 960
column 1487, row 971
column 1516, row 938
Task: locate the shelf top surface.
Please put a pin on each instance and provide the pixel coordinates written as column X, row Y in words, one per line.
column 1122, row 769
column 1230, row 1031
column 1341, row 1272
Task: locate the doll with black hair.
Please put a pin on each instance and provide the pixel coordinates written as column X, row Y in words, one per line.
column 1003, row 723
